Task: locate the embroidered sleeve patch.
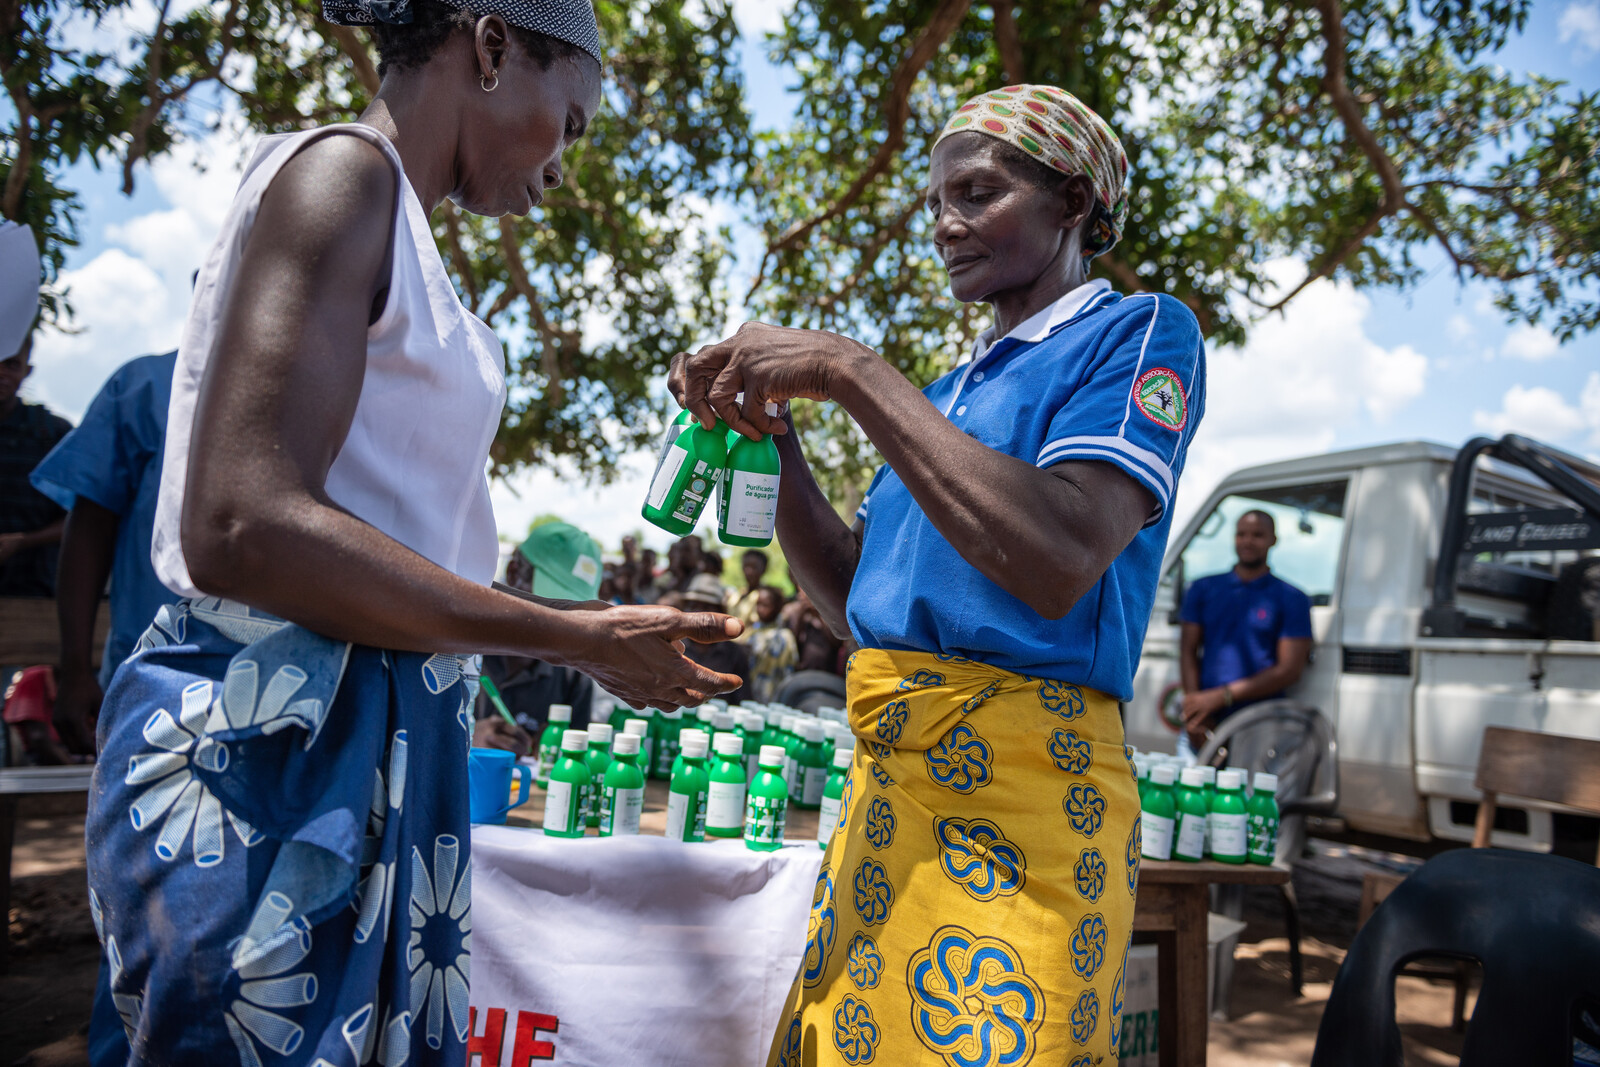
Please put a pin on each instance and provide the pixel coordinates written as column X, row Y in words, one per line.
column 1159, row 395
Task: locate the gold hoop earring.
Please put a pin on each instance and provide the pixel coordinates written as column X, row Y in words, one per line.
column 489, row 86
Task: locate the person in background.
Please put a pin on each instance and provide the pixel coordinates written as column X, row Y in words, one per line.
column 608, row 585
column 30, row 522
column 818, row 648
column 711, row 563
column 624, row 578
column 773, row 651
column 1246, row 633
column 560, row 562
column 705, row 593
column 644, row 583
column 28, row 702
column 742, row 604
column 107, row 475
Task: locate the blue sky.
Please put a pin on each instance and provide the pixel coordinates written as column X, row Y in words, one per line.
column 1340, row 369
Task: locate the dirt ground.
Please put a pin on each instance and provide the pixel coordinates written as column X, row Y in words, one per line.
column 46, row 997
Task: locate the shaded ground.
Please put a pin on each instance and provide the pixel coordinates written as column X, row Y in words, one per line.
column 46, row 998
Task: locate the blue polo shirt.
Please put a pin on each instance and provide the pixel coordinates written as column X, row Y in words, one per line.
column 114, row 459
column 1242, row 623
column 1095, row 376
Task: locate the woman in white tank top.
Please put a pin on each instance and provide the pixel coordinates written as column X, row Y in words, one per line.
column 278, row 833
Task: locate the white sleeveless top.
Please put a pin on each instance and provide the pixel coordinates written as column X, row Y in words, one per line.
column 415, row 461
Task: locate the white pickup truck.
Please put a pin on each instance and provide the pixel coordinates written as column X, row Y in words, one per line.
column 1412, row 659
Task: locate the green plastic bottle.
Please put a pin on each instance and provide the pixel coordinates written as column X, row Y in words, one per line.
column 766, row 806
column 791, row 743
column 670, row 436
column 550, row 743
column 1261, row 814
column 665, row 726
column 773, row 734
column 686, row 796
column 748, row 510
column 620, row 714
column 811, row 769
column 1159, row 815
column 640, row 728
column 754, row 726
column 687, row 478
column 833, row 796
column 703, row 716
column 1190, row 799
column 568, row 792
column 1229, row 819
column 622, row 789
column 722, row 722
column 683, row 735
column 1210, row 791
column 598, row 757
column 1141, row 770
column 725, row 790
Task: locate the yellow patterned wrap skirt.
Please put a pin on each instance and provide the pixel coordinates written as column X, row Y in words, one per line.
column 975, row 905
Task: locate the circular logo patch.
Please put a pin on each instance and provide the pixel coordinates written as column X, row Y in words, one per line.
column 1159, row 395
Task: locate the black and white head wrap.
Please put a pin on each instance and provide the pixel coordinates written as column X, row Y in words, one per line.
column 571, row 21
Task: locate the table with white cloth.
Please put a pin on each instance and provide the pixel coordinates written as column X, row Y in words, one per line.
column 613, row 952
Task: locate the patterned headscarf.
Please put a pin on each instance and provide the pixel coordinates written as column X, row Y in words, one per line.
column 571, row 21
column 1054, row 127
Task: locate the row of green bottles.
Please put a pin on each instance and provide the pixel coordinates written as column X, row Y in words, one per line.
column 833, row 796
column 1184, row 822
column 695, row 461
column 686, row 792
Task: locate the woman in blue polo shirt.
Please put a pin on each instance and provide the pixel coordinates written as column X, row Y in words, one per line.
column 977, row 900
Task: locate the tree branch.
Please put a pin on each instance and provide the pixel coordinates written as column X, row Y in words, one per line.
column 897, row 110
column 551, row 339
column 458, row 255
column 1009, row 43
column 355, row 49
column 869, row 257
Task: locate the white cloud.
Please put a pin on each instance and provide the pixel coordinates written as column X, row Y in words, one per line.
column 1580, row 23
column 1538, row 411
column 757, row 18
column 1532, row 343
column 1460, row 328
column 1301, row 378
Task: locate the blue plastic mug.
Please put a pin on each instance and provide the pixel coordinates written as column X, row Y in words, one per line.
column 489, row 772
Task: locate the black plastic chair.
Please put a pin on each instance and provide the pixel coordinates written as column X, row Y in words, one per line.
column 810, row 690
column 1532, row 922
column 1296, row 742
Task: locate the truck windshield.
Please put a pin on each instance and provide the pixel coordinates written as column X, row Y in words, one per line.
column 1310, row 525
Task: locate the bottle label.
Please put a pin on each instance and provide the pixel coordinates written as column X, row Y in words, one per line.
column 1191, row 836
column 558, row 813
column 666, row 474
column 1227, row 834
column 752, row 501
column 621, row 815
column 764, row 818
column 814, row 779
column 701, row 484
column 828, row 819
column 751, row 766
column 547, row 762
column 686, row 817
column 668, row 755
column 725, row 805
column 1156, row 836
column 791, row 779
column 1263, row 834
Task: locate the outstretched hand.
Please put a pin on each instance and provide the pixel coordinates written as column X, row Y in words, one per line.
column 635, row 652
column 768, row 364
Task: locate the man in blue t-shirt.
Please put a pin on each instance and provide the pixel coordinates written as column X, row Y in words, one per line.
column 1246, row 633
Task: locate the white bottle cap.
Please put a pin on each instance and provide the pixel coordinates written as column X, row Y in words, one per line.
column 1141, row 766
column 752, row 705
column 788, row 724
column 574, row 740
column 772, row 410
column 637, row 727
column 753, row 722
column 695, row 745
column 600, row 733
column 772, row 756
column 626, row 744
column 1230, row 779
column 842, row 757
column 718, row 703
column 1192, row 778
column 728, row 745
column 704, row 712
column 1266, row 781
column 810, row 730
column 560, row 712
column 772, row 716
column 1164, row 774
column 1210, row 773
column 722, row 720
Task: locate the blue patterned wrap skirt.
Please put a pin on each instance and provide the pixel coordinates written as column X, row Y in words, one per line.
column 278, row 844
